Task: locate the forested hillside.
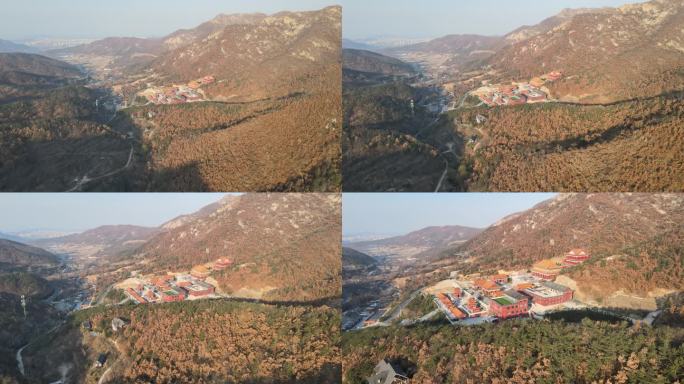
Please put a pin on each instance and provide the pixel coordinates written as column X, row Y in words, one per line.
column 521, row 352
column 199, row 342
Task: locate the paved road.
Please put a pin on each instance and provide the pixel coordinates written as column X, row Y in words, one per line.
column 85, row 180
column 400, row 307
column 20, row 360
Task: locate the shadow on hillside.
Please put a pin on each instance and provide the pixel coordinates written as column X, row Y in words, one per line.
column 110, row 158
column 328, row 301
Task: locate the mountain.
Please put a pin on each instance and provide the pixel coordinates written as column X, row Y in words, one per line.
column 606, row 55
column 15, row 238
column 186, row 36
column 266, row 56
column 454, row 44
column 7, row 46
column 25, row 69
column 22, row 283
column 351, row 44
column 352, row 257
column 601, row 223
column 267, row 82
column 529, row 31
column 636, row 276
column 15, row 255
column 282, row 246
column 634, row 241
column 461, row 50
column 425, row 242
column 366, row 61
column 101, row 242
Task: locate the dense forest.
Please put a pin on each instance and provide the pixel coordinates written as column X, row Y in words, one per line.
column 381, row 150
column 638, row 268
column 208, row 341
column 520, row 351
column 628, row 146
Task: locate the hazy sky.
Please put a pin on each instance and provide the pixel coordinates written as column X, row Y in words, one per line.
column 400, row 213
column 435, row 18
column 141, row 18
column 81, row 211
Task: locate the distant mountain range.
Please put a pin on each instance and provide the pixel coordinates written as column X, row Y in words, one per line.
column 422, row 244
column 102, row 242
column 7, row 46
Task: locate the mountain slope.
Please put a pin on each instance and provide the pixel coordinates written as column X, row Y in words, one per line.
column 425, row 242
column 25, row 69
column 351, row 257
column 7, row 46
column 606, row 54
column 282, row 246
column 186, row 36
column 367, row 61
column 601, row 223
column 13, row 254
column 267, row 58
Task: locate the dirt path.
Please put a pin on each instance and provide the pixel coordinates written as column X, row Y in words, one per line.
column 444, row 174
column 85, row 180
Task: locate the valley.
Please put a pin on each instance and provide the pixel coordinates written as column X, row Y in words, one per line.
column 542, row 108
column 272, row 295
column 200, row 109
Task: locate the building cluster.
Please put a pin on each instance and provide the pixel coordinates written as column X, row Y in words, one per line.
column 549, row 269
column 503, row 296
column 177, row 94
column 516, row 93
column 177, row 287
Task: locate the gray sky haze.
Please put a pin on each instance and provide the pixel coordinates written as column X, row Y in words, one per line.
column 401, row 213
column 138, row 18
column 82, row 211
column 436, row 18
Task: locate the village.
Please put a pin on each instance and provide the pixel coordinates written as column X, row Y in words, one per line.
column 172, row 287
column 475, row 299
column 177, row 94
column 517, row 93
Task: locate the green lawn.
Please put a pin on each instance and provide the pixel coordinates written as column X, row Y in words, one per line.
column 503, row 301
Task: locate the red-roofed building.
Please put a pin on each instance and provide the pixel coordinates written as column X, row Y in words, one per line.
column 511, row 304
column 222, row 263
column 486, row 286
column 135, row 296
column 575, row 257
column 553, row 76
column 499, row 278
